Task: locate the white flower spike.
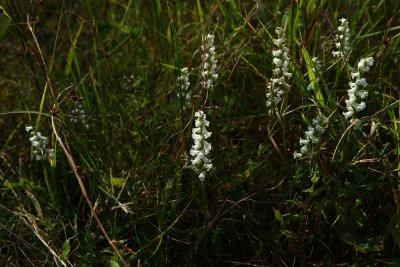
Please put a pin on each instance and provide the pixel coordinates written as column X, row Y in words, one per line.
column 342, row 39
column 279, row 81
column 201, row 148
column 183, row 85
column 356, row 93
column 208, row 63
column 313, row 136
column 39, row 144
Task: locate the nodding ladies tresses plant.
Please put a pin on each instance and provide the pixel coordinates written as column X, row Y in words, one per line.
column 356, row 92
column 39, row 144
column 208, row 62
column 183, row 85
column 279, row 82
column 342, row 39
column 313, row 135
column 201, row 148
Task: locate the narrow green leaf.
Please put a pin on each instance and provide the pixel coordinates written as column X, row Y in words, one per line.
column 200, row 12
column 66, row 248
column 3, row 12
column 278, row 216
column 313, row 79
column 72, row 57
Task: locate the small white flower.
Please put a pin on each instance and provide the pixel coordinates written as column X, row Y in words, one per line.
column 353, row 86
column 277, row 53
column 276, row 71
column 348, row 114
column 362, row 94
column 278, row 62
column 297, row 155
column 369, row 61
column 36, row 143
column 304, row 141
column 314, row 139
column 287, row 74
column 202, row 176
column 304, row 149
column 360, row 106
column 361, row 63
column 279, row 31
column 278, row 42
column 362, row 82
column 320, row 129
column 355, row 75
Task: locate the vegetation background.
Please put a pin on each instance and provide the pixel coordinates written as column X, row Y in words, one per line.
column 102, row 76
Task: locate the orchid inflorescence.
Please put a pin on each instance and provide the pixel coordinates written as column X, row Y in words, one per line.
column 183, row 85
column 39, row 144
column 79, row 113
column 279, row 82
column 208, row 62
column 312, row 135
column 357, row 92
column 201, row 148
column 342, row 39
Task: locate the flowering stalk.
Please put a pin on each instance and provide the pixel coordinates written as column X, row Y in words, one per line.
column 79, row 112
column 39, row 144
column 208, row 62
column 356, row 92
column 201, row 148
column 343, row 39
column 183, row 85
column 313, row 136
column 278, row 85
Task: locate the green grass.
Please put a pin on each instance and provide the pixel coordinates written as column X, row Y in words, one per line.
column 125, row 165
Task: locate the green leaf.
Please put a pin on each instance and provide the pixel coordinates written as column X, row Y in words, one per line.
column 113, row 263
column 315, row 178
column 5, row 21
column 3, row 12
column 66, row 248
column 278, row 216
column 289, row 234
column 118, row 182
column 313, row 79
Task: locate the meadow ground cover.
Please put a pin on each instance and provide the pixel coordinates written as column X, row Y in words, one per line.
column 199, row 133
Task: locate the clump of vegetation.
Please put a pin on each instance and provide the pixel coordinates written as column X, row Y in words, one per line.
column 302, row 166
